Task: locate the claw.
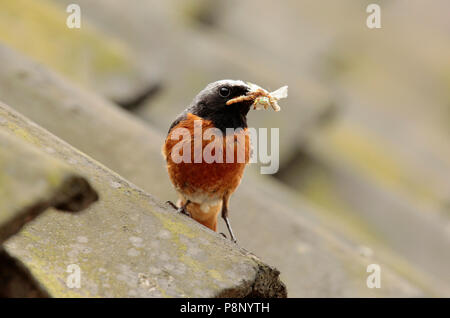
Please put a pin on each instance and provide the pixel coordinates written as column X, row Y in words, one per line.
column 184, row 211
column 181, row 209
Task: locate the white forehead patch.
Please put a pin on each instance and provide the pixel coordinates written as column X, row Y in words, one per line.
column 226, row 82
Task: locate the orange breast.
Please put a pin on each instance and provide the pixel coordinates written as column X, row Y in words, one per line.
column 206, row 180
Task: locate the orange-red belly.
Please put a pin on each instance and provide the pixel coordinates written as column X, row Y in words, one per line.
column 206, row 182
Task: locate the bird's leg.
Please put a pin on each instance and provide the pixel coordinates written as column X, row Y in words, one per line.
column 225, row 217
column 229, row 229
column 181, row 209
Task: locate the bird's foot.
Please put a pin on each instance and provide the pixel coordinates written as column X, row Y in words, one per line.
column 231, row 239
column 181, row 209
column 184, row 211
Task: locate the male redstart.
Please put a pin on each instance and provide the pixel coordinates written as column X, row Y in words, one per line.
column 205, row 187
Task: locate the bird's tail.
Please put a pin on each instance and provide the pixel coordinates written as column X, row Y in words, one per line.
column 206, row 215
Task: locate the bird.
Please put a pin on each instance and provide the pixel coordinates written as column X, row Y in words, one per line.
column 205, row 188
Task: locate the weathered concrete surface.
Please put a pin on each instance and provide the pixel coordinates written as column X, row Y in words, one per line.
column 31, row 182
column 346, row 157
column 268, row 218
column 38, row 29
column 128, row 244
column 48, row 99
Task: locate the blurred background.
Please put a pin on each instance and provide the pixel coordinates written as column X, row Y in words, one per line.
column 364, row 135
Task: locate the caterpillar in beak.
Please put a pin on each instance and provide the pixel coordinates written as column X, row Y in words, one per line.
column 262, row 98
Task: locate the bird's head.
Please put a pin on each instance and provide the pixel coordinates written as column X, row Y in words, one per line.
column 211, row 103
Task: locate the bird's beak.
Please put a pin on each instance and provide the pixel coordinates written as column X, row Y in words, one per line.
column 253, row 91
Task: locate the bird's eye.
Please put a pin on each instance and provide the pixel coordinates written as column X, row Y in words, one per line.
column 224, row 91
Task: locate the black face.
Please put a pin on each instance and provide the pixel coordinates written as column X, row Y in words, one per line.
column 211, row 104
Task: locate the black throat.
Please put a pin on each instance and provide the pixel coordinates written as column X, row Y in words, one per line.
column 233, row 116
